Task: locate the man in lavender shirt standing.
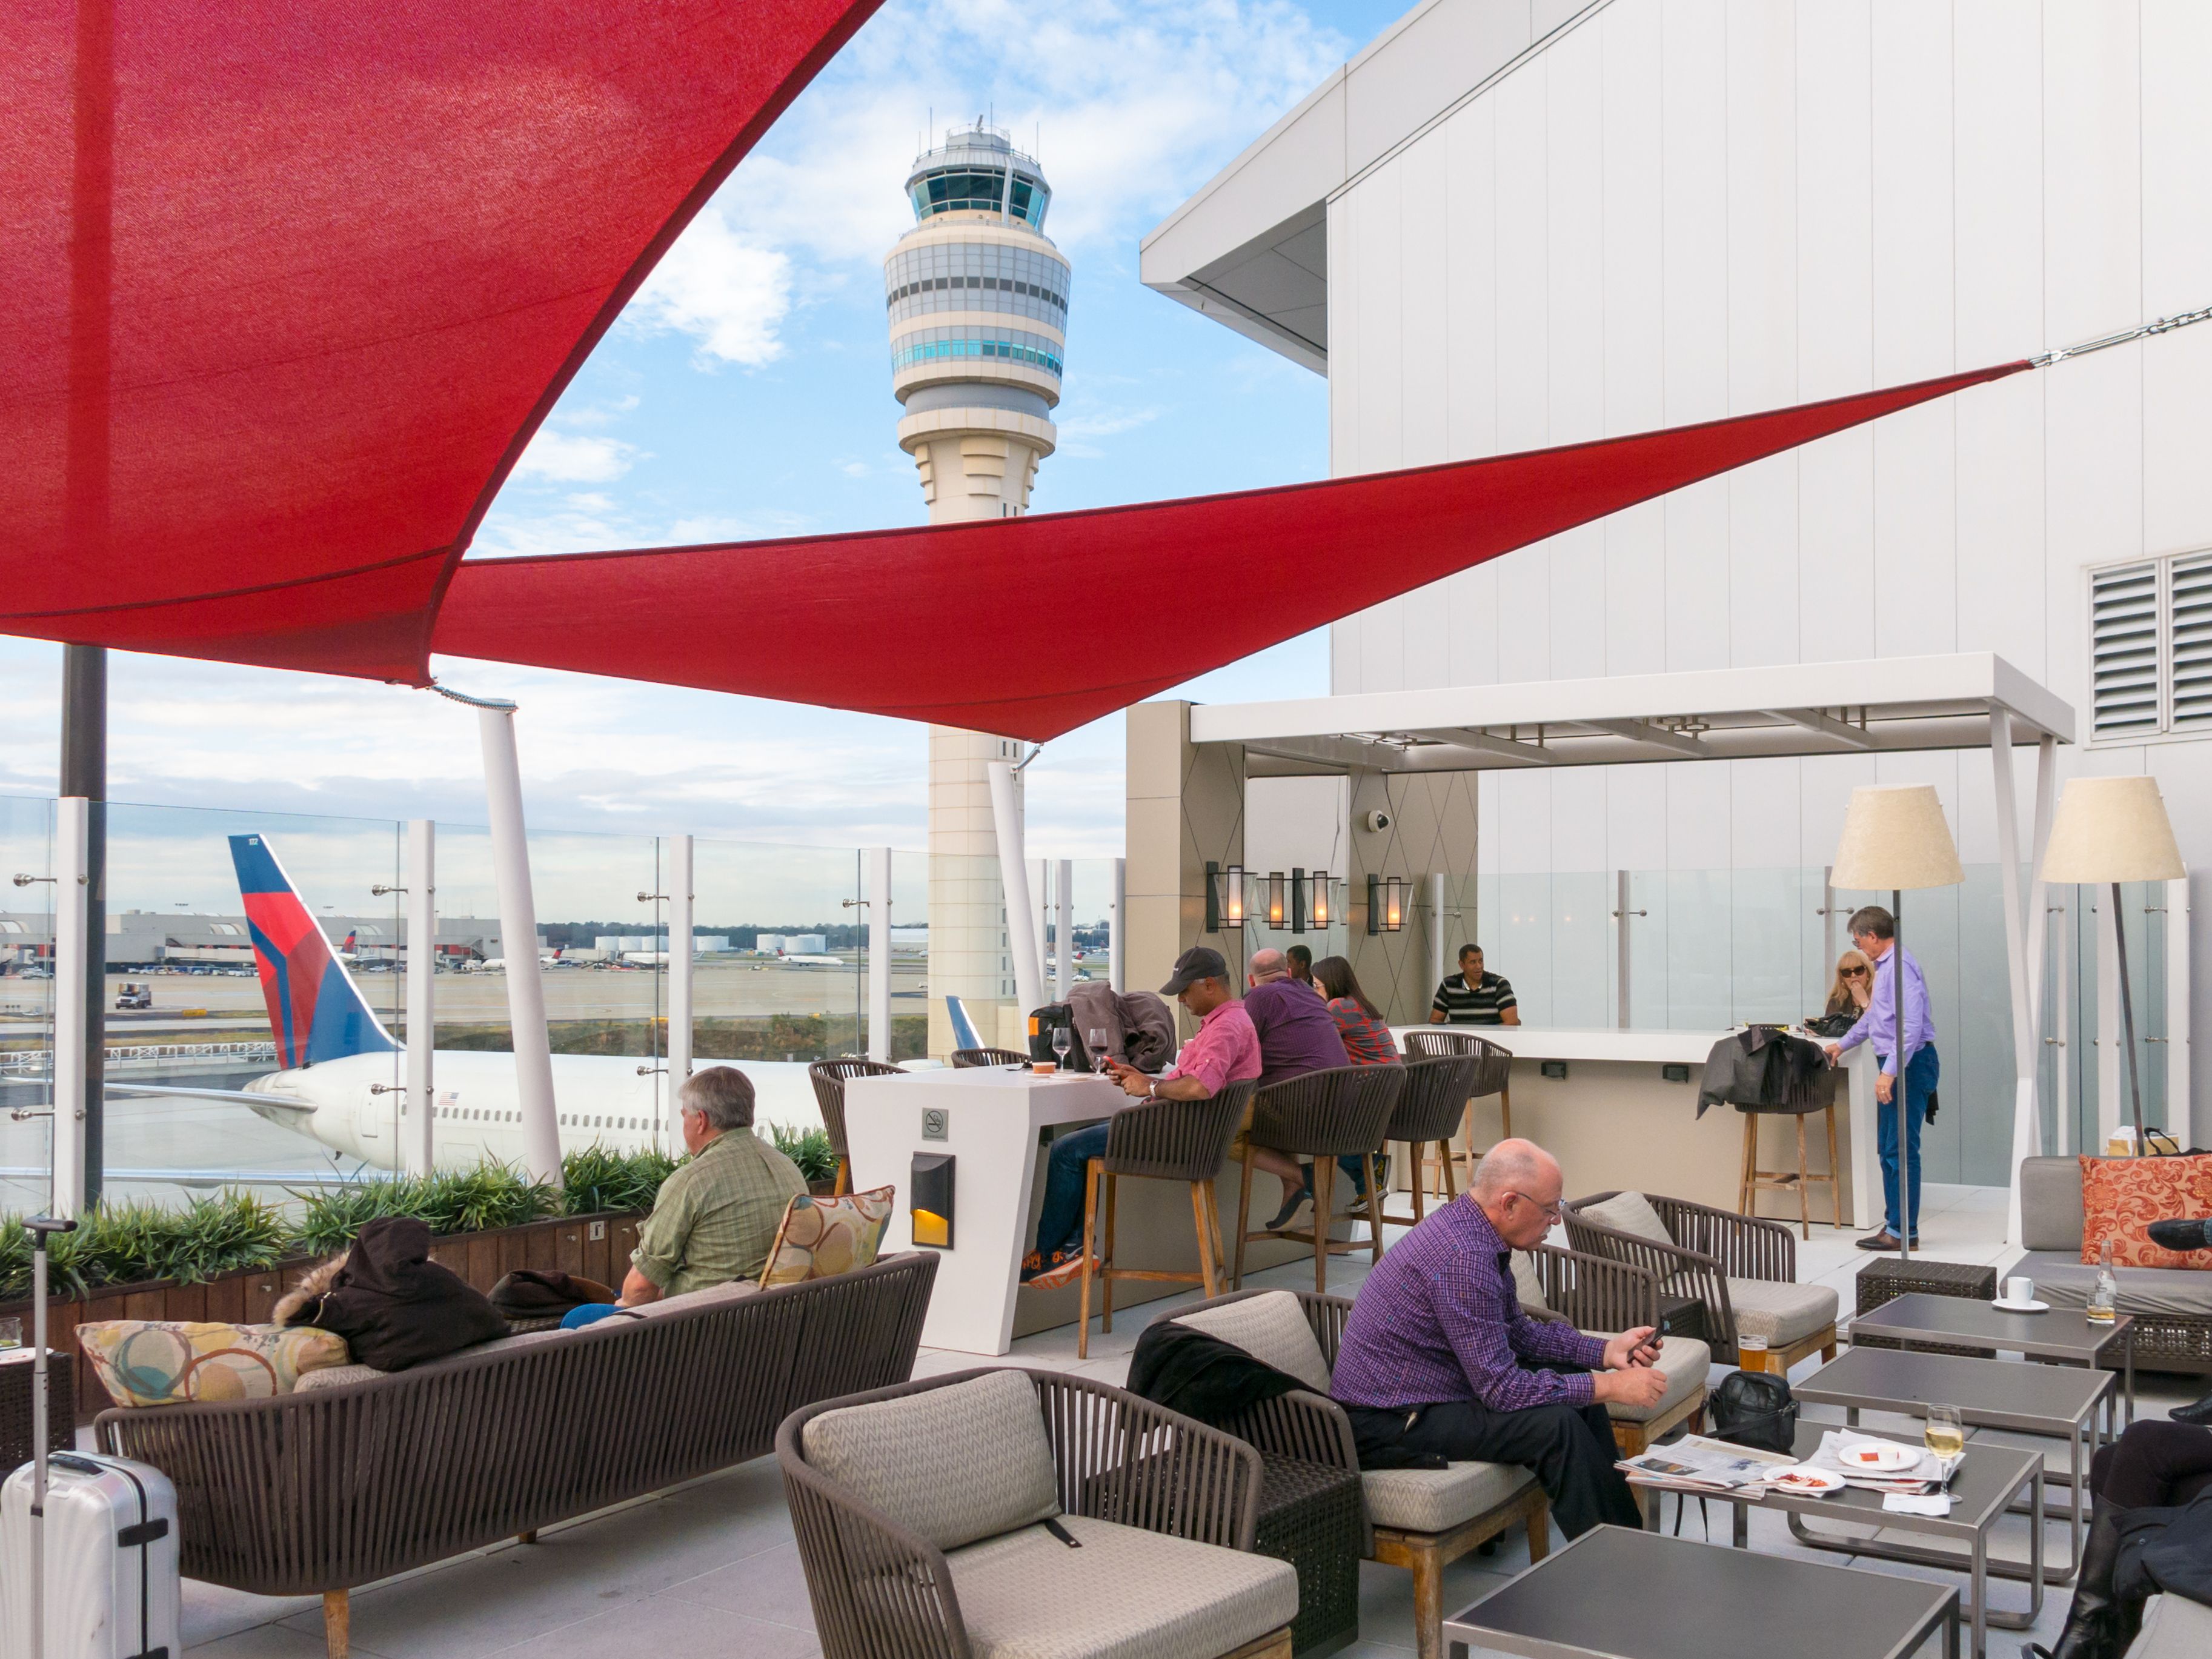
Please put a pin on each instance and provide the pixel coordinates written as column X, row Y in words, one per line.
column 1438, row 1360
column 1874, row 930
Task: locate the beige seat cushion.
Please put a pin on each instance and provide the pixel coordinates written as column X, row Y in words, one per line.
column 735, row 1291
column 1631, row 1213
column 1127, row 1594
column 1434, row 1500
column 1526, row 1287
column 336, row 1376
column 2173, row 1627
column 1273, row 1329
column 2062, row 1281
column 1684, row 1362
column 965, row 1461
column 1783, row 1314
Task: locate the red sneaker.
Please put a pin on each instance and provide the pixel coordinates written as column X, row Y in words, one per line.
column 1065, row 1267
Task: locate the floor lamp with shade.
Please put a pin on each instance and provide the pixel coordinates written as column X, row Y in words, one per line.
column 2109, row 830
column 1895, row 836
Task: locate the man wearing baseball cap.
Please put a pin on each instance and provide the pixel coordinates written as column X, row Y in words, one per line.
column 1226, row 1049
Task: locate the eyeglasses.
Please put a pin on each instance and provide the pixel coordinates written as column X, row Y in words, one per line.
column 1855, row 973
column 1556, row 1209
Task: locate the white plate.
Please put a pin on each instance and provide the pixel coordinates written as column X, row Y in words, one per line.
column 2020, row 1307
column 1878, row 1458
column 1803, row 1480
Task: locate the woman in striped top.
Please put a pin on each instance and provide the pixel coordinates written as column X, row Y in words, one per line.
column 1367, row 1039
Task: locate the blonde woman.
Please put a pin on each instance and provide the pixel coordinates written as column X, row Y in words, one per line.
column 1854, row 986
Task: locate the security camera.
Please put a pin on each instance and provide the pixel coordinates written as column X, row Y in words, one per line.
column 1377, row 821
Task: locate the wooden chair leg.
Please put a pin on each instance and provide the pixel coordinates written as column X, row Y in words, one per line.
column 1443, row 1169
column 1835, row 1175
column 1244, row 1221
column 1205, row 1244
column 1804, row 1198
column 1467, row 1134
column 337, row 1624
column 1505, row 1112
column 1428, row 1604
column 1374, row 1209
column 843, row 1183
column 1214, row 1222
column 1418, row 1175
column 1540, row 1531
column 1106, row 1315
column 1324, row 1212
column 1091, row 1171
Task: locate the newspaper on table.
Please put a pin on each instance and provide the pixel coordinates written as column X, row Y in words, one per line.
column 1695, row 1463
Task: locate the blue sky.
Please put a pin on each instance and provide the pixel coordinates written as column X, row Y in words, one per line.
column 746, row 392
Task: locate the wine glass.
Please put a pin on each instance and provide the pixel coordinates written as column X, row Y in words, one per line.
column 1095, row 1039
column 1063, row 1040
column 1946, row 1431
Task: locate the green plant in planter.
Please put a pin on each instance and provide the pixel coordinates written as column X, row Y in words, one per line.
column 809, row 1149
column 489, row 1196
column 130, row 1243
column 65, row 1262
column 597, row 1178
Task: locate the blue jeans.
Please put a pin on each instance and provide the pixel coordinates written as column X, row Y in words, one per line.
column 1920, row 1079
column 590, row 1314
column 1061, row 1225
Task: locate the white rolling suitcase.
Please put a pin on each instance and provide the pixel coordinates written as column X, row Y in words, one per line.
column 110, row 1546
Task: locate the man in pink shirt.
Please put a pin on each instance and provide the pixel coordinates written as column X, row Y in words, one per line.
column 1226, row 1049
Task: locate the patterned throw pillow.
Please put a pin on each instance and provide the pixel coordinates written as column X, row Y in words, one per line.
column 148, row 1362
column 2122, row 1196
column 821, row 1237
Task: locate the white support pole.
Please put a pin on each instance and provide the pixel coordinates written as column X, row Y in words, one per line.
column 1117, row 928
column 675, row 882
column 518, row 928
column 418, row 1144
column 1014, row 872
column 2109, row 1078
column 1622, row 954
column 1439, row 943
column 879, row 954
column 2181, row 1120
column 72, row 939
column 1063, row 953
column 2039, row 893
column 2063, row 1109
column 2026, row 1125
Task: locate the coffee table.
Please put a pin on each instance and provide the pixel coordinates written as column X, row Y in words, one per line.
column 1981, row 1491
column 2065, row 1336
column 1621, row 1594
column 2054, row 1401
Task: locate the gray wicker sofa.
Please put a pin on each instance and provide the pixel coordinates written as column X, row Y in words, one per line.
column 325, row 1489
column 2171, row 1306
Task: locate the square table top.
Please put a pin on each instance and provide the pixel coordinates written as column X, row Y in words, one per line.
column 1982, row 1488
column 2059, row 1334
column 1991, row 1394
column 1631, row 1594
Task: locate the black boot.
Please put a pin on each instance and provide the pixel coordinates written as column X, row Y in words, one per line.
column 2095, row 1627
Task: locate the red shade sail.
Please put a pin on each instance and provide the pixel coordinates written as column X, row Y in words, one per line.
column 1029, row 626
column 290, row 283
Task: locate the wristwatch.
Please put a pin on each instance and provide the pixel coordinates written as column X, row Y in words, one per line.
column 1153, row 1089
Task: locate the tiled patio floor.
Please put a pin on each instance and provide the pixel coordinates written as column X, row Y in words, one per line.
column 710, row 1568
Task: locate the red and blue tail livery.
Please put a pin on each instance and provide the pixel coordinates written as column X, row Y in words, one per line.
column 315, row 1010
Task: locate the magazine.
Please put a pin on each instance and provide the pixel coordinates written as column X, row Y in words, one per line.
column 1696, row 1463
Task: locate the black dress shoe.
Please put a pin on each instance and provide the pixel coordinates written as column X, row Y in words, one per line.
column 2182, row 1235
column 1884, row 1239
column 2200, row 1414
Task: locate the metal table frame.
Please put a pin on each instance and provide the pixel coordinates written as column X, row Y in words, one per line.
column 1465, row 1628
column 1859, row 1506
column 2062, row 1336
column 2096, row 1417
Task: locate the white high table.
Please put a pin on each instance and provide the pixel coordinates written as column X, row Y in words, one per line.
column 992, row 1119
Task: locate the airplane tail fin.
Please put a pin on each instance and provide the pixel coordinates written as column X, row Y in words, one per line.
column 352, row 940
column 315, row 1010
column 963, row 1027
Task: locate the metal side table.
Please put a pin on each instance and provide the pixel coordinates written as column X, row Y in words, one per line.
column 1619, row 1594
column 2062, row 1336
column 2056, row 1401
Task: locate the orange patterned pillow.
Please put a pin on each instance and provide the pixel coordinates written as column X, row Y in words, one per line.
column 2122, row 1196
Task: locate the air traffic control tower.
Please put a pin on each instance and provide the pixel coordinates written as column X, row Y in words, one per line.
column 977, row 298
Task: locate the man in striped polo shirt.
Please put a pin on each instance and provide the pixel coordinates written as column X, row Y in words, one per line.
column 1471, row 997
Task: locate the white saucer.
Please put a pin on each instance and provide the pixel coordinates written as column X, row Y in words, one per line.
column 2020, row 1307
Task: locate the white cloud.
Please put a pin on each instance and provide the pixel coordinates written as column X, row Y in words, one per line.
column 564, row 457
column 731, row 291
column 856, row 469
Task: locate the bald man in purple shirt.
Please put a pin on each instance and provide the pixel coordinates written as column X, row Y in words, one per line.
column 1438, row 1360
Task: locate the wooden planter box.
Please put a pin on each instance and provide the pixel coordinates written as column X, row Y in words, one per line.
column 592, row 1246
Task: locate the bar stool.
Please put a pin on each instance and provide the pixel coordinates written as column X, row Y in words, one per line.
column 964, row 1060
column 1754, row 1180
column 829, row 1078
column 1160, row 1140
column 1428, row 1112
column 1342, row 1112
column 1495, row 1076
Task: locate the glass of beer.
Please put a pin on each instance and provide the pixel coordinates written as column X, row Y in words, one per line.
column 1947, row 1435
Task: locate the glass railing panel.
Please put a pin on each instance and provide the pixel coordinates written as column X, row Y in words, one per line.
column 27, row 1000
column 787, row 981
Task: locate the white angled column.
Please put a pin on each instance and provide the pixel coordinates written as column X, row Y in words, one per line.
column 1014, row 872
column 1063, row 926
column 879, row 954
column 1117, row 926
column 518, row 929
column 72, row 939
column 682, row 967
column 419, row 1147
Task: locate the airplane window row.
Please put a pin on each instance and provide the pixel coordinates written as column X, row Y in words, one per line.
column 567, row 1120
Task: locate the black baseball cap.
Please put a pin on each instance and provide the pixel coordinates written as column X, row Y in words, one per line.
column 1196, row 964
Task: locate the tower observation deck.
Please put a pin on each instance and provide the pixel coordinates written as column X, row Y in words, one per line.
column 977, row 300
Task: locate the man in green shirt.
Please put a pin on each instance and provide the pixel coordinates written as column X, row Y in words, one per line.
column 715, row 1218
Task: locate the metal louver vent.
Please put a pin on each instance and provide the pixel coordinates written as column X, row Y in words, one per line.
column 2124, row 651
column 2190, row 604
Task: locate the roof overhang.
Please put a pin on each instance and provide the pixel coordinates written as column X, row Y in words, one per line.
column 1884, row 706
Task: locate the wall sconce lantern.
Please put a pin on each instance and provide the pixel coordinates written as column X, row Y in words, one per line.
column 1386, row 904
column 1321, row 898
column 1274, row 898
column 1298, row 900
column 1224, row 897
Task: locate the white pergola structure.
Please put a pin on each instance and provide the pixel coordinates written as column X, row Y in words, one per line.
column 1972, row 700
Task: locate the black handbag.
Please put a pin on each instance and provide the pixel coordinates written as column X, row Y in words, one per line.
column 1754, row 1408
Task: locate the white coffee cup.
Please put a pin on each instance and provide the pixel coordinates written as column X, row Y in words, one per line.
column 2018, row 1290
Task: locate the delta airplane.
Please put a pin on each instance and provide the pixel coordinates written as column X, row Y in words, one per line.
column 339, row 1081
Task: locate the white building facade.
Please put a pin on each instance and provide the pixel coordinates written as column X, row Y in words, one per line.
column 1513, row 226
